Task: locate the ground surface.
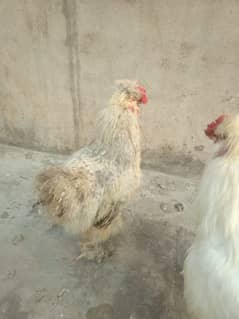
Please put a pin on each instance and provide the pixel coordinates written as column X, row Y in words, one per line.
column 39, row 278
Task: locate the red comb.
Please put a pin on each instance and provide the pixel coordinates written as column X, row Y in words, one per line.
column 144, row 98
column 210, row 130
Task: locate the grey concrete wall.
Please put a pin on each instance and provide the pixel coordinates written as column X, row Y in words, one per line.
column 59, row 59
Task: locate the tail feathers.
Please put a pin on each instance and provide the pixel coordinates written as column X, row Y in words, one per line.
column 63, row 190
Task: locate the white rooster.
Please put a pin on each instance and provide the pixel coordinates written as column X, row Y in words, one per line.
column 86, row 193
column 211, row 269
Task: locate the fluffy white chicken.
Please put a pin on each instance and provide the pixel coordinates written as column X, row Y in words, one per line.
column 86, row 193
column 211, row 269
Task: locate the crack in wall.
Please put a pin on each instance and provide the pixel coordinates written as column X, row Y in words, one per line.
column 69, row 9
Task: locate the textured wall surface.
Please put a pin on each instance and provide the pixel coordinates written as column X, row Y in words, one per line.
column 59, row 59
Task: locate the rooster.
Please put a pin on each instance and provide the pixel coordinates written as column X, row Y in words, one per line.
column 211, row 269
column 86, row 193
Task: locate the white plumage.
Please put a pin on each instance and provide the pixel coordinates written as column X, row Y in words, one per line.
column 211, row 269
column 86, row 193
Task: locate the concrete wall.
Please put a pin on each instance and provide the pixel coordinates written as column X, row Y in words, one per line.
column 59, row 59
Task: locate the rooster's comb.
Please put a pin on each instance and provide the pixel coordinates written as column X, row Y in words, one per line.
column 210, row 130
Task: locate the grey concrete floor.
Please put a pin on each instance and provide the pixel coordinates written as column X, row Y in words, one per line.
column 39, row 277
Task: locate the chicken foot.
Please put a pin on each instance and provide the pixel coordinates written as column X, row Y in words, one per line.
column 95, row 252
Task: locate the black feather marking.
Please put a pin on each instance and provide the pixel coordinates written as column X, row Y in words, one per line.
column 107, row 220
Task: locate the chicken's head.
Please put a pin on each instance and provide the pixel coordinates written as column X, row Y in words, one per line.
column 129, row 95
column 214, row 131
column 225, row 132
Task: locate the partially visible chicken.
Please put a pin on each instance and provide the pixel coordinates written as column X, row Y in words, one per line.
column 86, row 193
column 211, row 269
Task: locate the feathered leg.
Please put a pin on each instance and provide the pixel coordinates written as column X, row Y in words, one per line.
column 91, row 252
column 94, row 246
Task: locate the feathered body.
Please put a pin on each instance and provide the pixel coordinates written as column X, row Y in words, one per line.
column 86, row 193
column 211, row 269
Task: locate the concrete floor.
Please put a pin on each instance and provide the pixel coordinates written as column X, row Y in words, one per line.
column 39, row 277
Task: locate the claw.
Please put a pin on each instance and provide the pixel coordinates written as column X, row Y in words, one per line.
column 80, row 257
